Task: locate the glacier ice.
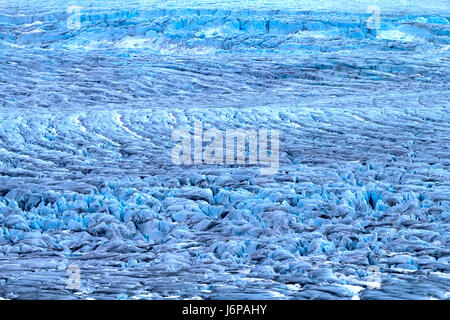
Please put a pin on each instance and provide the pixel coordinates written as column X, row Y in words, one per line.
column 86, row 178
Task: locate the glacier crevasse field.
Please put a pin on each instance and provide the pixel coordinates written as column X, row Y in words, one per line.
column 362, row 193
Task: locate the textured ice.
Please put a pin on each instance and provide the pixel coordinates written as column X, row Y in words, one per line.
column 86, row 178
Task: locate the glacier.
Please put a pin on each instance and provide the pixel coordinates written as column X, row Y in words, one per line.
column 359, row 208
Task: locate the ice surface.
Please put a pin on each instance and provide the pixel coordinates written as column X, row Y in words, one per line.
column 86, row 177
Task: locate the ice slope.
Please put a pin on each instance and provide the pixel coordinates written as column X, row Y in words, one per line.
column 86, row 177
